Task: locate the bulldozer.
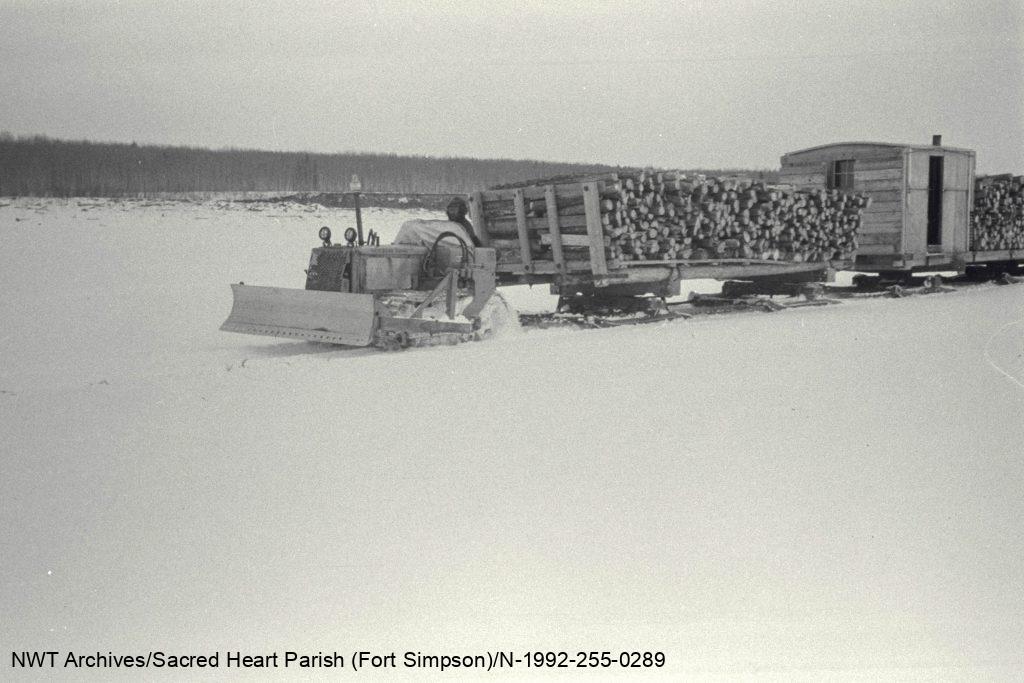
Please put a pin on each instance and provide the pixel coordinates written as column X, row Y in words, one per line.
column 432, row 285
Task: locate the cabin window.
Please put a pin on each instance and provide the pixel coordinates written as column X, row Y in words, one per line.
column 840, row 175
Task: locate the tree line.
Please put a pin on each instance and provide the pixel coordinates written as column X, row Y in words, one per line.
column 47, row 167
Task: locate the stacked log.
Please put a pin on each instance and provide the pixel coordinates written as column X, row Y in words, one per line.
column 665, row 216
column 997, row 220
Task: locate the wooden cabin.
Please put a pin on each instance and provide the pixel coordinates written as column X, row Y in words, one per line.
column 921, row 198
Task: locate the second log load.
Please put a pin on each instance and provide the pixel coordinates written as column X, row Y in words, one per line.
column 665, row 216
column 997, row 221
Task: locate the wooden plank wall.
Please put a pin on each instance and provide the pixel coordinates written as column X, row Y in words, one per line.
column 877, row 172
column 804, row 176
column 881, row 178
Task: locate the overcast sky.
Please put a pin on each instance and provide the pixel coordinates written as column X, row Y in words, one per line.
column 686, row 83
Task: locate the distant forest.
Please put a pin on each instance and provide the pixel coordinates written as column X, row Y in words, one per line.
column 41, row 166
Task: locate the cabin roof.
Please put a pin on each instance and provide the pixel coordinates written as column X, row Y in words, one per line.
column 893, row 145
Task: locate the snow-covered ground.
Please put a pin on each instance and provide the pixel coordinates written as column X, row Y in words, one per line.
column 823, row 492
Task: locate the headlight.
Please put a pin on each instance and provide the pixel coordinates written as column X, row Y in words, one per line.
column 325, row 234
column 350, row 235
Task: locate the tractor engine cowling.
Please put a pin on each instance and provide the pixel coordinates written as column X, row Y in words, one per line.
column 364, row 269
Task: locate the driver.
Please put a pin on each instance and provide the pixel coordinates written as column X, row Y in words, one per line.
column 457, row 211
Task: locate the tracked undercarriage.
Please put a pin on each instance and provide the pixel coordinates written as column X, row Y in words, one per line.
column 746, row 296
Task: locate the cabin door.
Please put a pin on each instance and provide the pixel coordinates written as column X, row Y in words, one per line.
column 935, row 180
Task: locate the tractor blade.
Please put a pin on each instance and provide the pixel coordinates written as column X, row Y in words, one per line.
column 333, row 317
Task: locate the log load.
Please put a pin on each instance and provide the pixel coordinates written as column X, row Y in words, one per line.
column 668, row 216
column 997, row 218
